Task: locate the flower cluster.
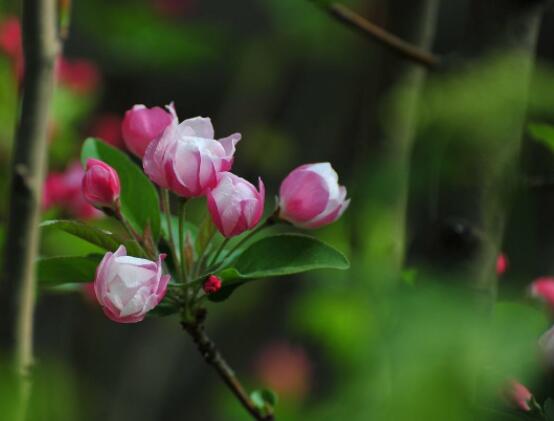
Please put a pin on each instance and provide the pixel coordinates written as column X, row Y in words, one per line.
column 186, row 159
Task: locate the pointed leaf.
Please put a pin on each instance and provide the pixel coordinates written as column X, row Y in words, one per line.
column 278, row 255
column 60, row 270
column 284, row 254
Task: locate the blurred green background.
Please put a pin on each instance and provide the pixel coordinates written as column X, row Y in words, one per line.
column 394, row 338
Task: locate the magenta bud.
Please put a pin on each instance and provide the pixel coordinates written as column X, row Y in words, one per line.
column 101, row 185
column 235, row 205
column 129, row 287
column 310, row 196
column 143, row 125
column 211, row 285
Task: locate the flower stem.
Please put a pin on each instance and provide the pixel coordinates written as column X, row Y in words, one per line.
column 218, row 252
column 213, row 357
column 182, row 218
column 167, row 211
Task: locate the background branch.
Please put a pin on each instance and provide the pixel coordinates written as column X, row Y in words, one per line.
column 396, row 44
column 41, row 47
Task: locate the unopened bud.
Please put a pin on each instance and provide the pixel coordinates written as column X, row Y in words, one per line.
column 211, row 285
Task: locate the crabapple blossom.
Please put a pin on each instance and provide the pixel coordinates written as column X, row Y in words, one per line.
column 310, row 196
column 129, row 287
column 235, row 205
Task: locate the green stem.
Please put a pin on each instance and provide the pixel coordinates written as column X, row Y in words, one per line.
column 132, row 233
column 173, row 250
column 203, row 256
column 267, row 223
column 182, row 218
column 221, row 247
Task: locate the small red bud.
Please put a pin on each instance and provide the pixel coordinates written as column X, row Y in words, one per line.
column 501, row 264
column 211, row 285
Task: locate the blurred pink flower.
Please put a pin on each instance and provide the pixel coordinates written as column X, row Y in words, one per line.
column 501, row 264
column 80, row 75
column 285, row 369
column 518, row 395
column 107, row 127
column 543, row 289
column 11, row 44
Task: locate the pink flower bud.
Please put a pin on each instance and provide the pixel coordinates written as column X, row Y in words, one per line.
column 187, row 158
column 101, row 184
column 310, row 196
column 129, row 287
column 519, row 395
column 501, row 264
column 235, row 205
column 543, row 288
column 211, row 285
column 143, row 125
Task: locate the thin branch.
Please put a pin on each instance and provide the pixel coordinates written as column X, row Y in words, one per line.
column 41, row 47
column 401, row 47
column 211, row 355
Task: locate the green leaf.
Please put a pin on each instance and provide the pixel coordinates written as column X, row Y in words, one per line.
column 139, row 198
column 101, row 238
column 284, row 254
column 264, row 398
column 278, row 255
column 543, row 133
column 60, row 270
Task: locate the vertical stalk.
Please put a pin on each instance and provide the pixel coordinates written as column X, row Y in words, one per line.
column 41, row 47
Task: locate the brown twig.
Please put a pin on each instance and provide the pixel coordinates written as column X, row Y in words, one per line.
column 211, row 355
column 17, row 297
column 398, row 45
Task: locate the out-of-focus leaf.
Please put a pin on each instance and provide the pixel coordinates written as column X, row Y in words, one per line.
column 60, row 270
column 264, row 398
column 139, row 198
column 132, row 36
column 543, row 133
